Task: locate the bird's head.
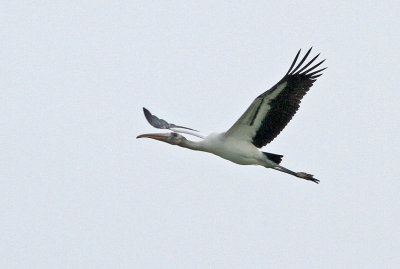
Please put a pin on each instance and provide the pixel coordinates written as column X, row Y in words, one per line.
column 170, row 138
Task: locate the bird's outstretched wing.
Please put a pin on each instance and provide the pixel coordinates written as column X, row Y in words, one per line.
column 163, row 124
column 271, row 111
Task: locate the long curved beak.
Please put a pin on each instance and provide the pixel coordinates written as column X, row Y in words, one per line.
column 161, row 137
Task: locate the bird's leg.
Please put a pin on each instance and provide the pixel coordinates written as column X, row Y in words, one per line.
column 296, row 174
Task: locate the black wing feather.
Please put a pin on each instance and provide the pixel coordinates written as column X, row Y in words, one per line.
column 287, row 102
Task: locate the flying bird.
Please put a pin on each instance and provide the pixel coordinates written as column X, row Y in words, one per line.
column 265, row 118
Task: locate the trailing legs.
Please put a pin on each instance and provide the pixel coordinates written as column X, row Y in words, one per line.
column 296, row 174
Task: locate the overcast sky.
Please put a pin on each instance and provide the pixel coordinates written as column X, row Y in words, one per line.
column 77, row 190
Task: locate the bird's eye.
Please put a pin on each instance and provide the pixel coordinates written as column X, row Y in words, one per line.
column 174, row 134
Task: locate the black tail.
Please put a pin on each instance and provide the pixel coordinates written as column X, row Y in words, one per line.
column 276, row 158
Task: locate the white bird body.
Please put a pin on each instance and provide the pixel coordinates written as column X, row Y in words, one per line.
column 265, row 118
column 235, row 150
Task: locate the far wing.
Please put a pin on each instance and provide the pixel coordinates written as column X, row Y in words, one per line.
column 162, row 124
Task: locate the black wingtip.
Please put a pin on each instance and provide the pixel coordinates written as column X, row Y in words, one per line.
column 316, row 72
column 307, row 65
column 294, row 62
column 307, row 72
column 299, row 69
column 147, row 114
column 302, row 61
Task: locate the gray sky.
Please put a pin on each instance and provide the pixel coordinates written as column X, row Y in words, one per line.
column 77, row 190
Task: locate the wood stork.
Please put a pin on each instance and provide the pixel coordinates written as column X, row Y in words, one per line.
column 259, row 125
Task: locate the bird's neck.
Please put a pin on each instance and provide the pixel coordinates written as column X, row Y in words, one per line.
column 193, row 145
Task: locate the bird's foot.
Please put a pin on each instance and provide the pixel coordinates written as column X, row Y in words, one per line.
column 307, row 177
